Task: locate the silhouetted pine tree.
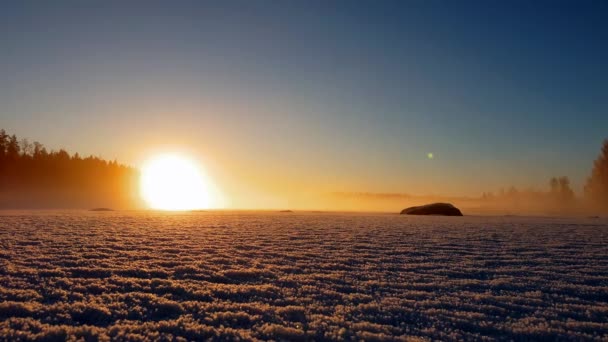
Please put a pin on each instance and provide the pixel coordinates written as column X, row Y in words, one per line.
column 596, row 189
column 3, row 144
column 12, row 148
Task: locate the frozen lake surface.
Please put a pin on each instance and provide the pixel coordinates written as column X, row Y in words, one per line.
column 291, row 276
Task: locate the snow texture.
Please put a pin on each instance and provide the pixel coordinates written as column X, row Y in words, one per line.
column 196, row 276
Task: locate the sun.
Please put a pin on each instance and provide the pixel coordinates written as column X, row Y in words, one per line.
column 174, row 182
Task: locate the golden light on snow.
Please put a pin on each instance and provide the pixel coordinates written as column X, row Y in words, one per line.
column 174, row 182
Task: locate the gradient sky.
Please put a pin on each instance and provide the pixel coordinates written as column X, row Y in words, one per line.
column 317, row 95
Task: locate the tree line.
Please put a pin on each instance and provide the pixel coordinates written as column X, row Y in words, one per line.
column 33, row 177
column 560, row 197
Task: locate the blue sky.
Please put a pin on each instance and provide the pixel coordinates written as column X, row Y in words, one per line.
column 342, row 95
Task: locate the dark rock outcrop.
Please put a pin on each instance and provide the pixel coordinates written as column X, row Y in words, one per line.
column 101, row 209
column 445, row 209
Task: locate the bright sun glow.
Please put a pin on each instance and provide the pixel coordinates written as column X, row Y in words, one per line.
column 172, row 182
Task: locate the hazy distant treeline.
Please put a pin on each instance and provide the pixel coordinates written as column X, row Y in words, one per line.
column 560, row 198
column 33, row 177
column 555, row 198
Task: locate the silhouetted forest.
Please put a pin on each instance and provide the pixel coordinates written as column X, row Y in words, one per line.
column 33, row 177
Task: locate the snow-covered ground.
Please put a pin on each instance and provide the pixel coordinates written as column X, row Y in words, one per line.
column 290, row 276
